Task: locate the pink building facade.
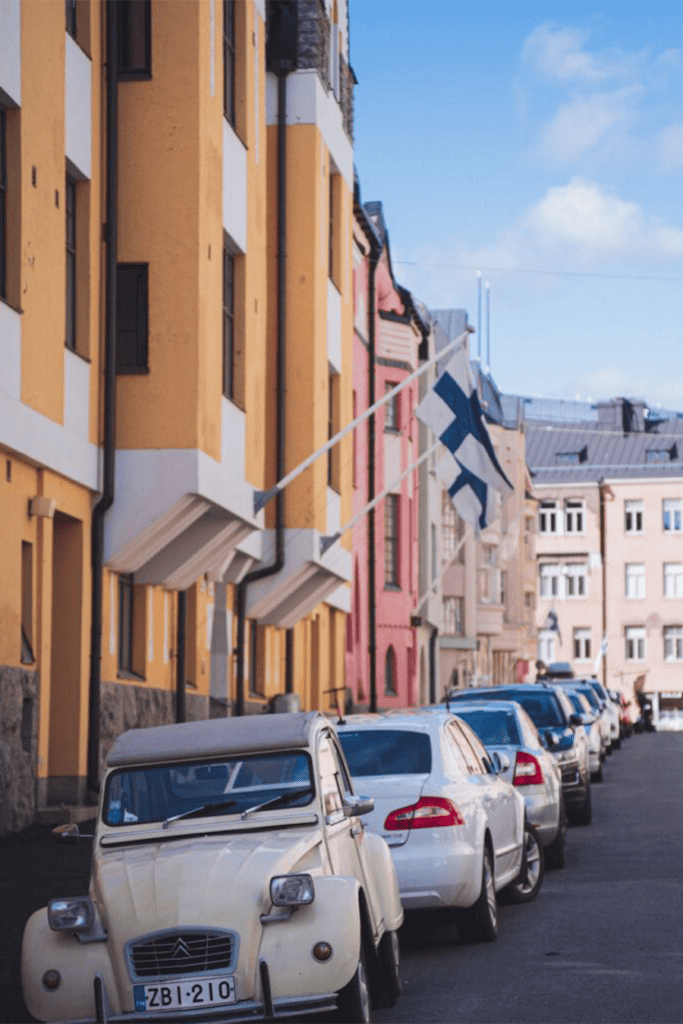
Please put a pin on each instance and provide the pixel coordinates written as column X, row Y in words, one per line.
column 386, row 322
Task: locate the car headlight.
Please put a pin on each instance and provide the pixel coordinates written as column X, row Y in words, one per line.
column 566, row 758
column 292, row 890
column 71, row 914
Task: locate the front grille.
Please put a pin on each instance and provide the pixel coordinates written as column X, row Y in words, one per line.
column 570, row 774
column 182, row 953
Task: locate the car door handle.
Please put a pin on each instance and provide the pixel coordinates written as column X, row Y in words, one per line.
column 357, row 829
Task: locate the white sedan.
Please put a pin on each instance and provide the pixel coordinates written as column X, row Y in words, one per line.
column 455, row 828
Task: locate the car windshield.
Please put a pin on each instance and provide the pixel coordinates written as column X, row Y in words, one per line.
column 387, row 751
column 574, row 698
column 172, row 792
column 590, row 695
column 494, row 728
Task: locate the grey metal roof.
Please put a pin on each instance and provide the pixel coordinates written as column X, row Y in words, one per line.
column 215, row 737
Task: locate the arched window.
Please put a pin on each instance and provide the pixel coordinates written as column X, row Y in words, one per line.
column 390, row 672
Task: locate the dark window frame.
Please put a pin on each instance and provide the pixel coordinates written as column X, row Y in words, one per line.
column 228, row 322
column 391, row 542
column 229, row 62
column 126, row 623
column 128, row 69
column 392, row 410
column 139, row 362
column 254, row 683
column 72, row 18
column 70, row 200
column 390, row 689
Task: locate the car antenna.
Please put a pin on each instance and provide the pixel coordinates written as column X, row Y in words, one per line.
column 448, row 700
column 336, row 691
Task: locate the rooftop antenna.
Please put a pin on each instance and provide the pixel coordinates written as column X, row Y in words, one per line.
column 336, row 691
column 488, row 327
column 479, row 314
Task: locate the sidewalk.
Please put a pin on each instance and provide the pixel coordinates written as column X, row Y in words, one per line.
column 33, row 869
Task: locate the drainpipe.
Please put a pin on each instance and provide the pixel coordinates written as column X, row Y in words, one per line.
column 375, row 251
column 432, row 664
column 180, row 689
column 109, row 454
column 282, row 70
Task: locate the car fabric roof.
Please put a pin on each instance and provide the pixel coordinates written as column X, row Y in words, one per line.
column 214, row 737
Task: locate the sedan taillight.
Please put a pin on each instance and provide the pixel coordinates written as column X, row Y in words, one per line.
column 428, row 812
column 528, row 771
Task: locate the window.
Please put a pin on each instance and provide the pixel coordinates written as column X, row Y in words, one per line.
column 575, row 575
column 546, row 645
column 255, row 680
column 659, row 455
column 27, row 656
column 572, row 458
column 449, row 528
column 333, row 455
column 3, row 202
column 633, row 516
column 549, row 576
column 135, row 38
column 504, row 590
column 453, row 616
column 354, row 441
column 673, row 643
column 573, row 515
column 71, row 18
column 334, row 230
column 673, row 579
column 391, row 540
column 635, row 580
column 229, row 60
column 390, row 673
column 132, row 599
column 635, row 643
column 547, row 517
column 228, row 323
column 435, row 552
column 490, row 575
column 391, row 410
column 671, row 515
column 582, row 644
column 70, row 264
column 131, row 317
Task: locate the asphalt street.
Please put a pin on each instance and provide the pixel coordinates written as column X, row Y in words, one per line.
column 603, row 942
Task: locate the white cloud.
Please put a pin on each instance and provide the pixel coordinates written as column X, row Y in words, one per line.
column 671, row 146
column 583, row 122
column 558, row 54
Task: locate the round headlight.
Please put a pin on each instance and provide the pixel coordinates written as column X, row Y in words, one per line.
column 52, row 980
column 322, row 951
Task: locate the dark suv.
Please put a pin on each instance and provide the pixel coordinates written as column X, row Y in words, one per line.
column 556, row 725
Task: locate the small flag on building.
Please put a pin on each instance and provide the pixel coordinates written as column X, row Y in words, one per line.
column 470, row 470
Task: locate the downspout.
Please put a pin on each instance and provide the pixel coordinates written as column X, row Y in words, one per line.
column 283, row 69
column 432, row 664
column 180, row 688
column 375, row 252
column 603, row 552
column 109, row 454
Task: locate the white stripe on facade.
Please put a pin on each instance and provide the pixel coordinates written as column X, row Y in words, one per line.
column 78, row 107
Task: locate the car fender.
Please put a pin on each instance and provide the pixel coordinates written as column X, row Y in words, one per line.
column 386, row 882
column 78, row 964
column 287, row 944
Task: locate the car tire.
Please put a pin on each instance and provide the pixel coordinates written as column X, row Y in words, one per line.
column 583, row 815
column 479, row 923
column 555, row 852
column 354, row 1005
column 597, row 776
column 617, row 744
column 389, row 956
column 528, row 885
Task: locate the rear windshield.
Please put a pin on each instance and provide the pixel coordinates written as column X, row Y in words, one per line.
column 590, row 695
column 493, row 727
column 387, row 752
column 542, row 706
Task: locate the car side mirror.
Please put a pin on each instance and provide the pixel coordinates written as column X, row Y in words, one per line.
column 68, row 834
column 354, row 806
column 550, row 741
column 576, row 719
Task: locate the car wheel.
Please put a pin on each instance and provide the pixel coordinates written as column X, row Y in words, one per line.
column 389, row 955
column 597, row 776
column 583, row 815
column 353, row 1001
column 617, row 744
column 479, row 923
column 528, row 886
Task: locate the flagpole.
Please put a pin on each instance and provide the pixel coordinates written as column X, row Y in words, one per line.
column 479, row 314
column 261, row 498
column 488, row 327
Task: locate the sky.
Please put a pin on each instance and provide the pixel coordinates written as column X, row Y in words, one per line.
column 541, row 143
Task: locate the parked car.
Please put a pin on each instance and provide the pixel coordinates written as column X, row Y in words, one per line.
column 602, row 716
column 670, row 721
column 613, row 713
column 552, row 716
column 504, row 727
column 224, row 853
column 624, row 709
column 454, row 826
column 591, row 727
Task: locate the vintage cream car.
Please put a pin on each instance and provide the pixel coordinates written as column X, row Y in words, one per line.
column 232, row 880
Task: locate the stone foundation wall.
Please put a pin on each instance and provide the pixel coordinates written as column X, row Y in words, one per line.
column 19, row 688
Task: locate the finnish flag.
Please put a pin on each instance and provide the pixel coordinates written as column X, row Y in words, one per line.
column 470, row 469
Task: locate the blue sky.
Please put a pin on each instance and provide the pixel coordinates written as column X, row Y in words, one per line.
column 519, row 137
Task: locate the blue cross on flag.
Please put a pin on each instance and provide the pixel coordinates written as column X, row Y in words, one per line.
column 470, row 469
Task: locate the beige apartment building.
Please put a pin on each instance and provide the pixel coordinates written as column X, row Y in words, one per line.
column 609, row 551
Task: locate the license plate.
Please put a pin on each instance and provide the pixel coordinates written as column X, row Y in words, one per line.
column 184, row 994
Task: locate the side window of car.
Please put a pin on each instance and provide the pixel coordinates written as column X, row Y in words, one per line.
column 480, row 753
column 530, row 736
column 453, row 752
column 473, row 766
column 342, row 773
column 330, row 784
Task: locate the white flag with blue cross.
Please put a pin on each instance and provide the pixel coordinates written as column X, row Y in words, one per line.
column 470, row 469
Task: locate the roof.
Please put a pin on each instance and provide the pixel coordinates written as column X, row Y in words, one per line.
column 418, row 718
column 213, row 738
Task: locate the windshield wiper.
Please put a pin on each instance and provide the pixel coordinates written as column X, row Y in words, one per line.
column 221, row 805
column 278, row 801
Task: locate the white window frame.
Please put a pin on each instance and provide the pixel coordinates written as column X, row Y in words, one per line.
column 576, row 580
column 634, row 514
column 635, row 643
column 672, row 520
column 574, row 515
column 550, row 582
column 673, row 580
column 582, row 643
column 673, row 643
column 634, row 580
column 546, row 645
column 549, row 517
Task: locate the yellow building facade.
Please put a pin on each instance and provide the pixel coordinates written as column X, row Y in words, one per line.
column 175, row 335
